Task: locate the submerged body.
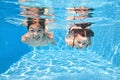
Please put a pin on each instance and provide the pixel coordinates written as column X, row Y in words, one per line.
column 79, row 35
column 37, row 40
column 37, row 36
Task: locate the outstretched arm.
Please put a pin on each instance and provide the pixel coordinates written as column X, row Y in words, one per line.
column 50, row 36
column 69, row 39
column 25, row 37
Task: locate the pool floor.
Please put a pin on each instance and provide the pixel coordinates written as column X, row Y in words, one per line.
column 57, row 65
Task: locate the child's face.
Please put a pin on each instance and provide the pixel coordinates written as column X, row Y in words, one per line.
column 81, row 42
column 36, row 32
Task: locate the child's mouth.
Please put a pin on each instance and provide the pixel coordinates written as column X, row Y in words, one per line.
column 36, row 37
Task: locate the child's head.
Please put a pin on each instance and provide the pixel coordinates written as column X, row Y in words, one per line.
column 82, row 37
column 37, row 21
column 36, row 31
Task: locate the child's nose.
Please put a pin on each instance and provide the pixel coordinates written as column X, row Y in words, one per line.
column 35, row 33
column 80, row 45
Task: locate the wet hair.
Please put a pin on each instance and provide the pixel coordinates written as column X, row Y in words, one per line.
column 41, row 22
column 85, row 9
column 84, row 25
column 83, row 32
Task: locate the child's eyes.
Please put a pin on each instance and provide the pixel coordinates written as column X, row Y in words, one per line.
column 39, row 30
column 79, row 42
column 83, row 43
column 32, row 31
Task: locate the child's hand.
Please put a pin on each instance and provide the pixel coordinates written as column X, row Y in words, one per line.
column 23, row 39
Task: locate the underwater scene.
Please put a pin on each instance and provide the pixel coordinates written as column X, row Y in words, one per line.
column 59, row 40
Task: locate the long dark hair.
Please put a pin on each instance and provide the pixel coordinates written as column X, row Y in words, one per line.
column 83, row 32
column 84, row 25
column 41, row 22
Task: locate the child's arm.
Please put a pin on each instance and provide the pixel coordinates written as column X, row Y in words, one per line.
column 49, row 34
column 50, row 37
column 25, row 37
column 69, row 39
column 25, row 23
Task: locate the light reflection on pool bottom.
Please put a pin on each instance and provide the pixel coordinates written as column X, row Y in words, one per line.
column 61, row 65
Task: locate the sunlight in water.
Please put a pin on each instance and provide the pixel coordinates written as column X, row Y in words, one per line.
column 58, row 59
column 57, row 65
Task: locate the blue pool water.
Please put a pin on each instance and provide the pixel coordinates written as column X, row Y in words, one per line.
column 100, row 61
